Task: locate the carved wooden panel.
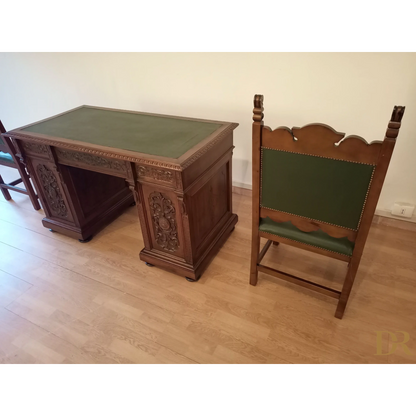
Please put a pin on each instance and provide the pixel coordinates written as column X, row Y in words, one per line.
column 52, row 191
column 163, row 215
column 156, row 175
column 79, row 159
column 35, row 148
column 321, row 140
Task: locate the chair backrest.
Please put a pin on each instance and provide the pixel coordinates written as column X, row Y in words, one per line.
column 316, row 177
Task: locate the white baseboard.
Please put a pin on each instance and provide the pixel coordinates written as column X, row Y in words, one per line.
column 242, row 185
column 387, row 214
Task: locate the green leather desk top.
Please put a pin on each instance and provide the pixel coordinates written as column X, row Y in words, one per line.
column 150, row 134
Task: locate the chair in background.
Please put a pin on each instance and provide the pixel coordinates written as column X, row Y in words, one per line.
column 317, row 190
column 8, row 158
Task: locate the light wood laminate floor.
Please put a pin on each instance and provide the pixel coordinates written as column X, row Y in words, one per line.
column 66, row 302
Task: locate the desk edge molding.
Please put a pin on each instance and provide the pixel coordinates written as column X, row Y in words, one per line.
column 175, row 164
column 82, row 147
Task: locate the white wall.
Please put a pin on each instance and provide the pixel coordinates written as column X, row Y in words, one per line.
column 353, row 92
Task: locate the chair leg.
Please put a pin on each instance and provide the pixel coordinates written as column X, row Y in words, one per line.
column 255, row 248
column 346, row 288
column 5, row 192
column 28, row 185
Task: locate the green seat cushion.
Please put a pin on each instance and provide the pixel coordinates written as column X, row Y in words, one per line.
column 6, row 157
column 314, row 238
column 154, row 135
column 324, row 189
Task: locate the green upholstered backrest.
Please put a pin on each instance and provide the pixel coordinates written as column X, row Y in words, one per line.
column 150, row 134
column 1, row 140
column 319, row 188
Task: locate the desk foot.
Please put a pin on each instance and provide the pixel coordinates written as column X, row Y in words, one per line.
column 133, row 204
column 192, row 280
column 148, row 264
column 52, row 231
column 190, row 271
column 86, row 240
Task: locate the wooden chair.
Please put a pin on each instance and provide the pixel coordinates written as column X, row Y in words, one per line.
column 317, row 190
column 8, row 158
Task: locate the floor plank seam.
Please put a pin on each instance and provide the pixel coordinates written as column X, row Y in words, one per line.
column 16, row 277
column 34, row 255
column 29, row 209
column 75, row 346
column 87, row 277
column 37, row 232
column 50, row 332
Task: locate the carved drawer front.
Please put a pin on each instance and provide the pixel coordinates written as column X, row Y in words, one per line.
column 35, row 149
column 159, row 175
column 92, row 162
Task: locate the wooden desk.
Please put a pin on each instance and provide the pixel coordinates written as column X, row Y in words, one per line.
column 90, row 163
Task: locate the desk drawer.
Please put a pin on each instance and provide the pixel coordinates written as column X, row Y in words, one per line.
column 38, row 150
column 92, row 162
column 158, row 175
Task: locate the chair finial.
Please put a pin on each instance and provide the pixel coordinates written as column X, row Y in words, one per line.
column 395, row 122
column 397, row 114
column 258, row 108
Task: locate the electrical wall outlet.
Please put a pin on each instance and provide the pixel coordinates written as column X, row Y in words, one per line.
column 403, row 210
